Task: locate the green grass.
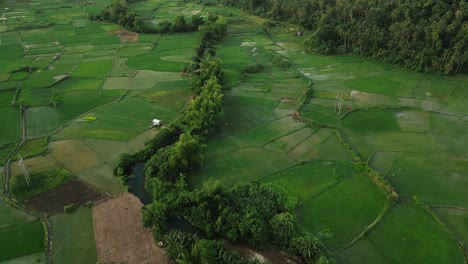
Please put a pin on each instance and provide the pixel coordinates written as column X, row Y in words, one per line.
column 402, row 141
column 370, row 121
column 21, row 239
column 120, row 121
column 268, row 132
column 39, row 182
column 42, row 121
column 148, row 79
column 93, row 69
column 33, row 147
column 361, row 252
column 241, row 165
column 408, row 233
column 435, row 178
column 119, row 83
column 78, row 84
column 455, row 221
column 382, row 161
column 76, row 235
column 10, row 52
column 5, row 151
column 288, row 142
column 172, row 60
column 333, row 149
column 309, row 149
column 174, row 99
column 119, row 68
column 308, row 179
column 102, row 178
column 413, row 121
column 28, row 259
column 448, row 125
column 11, row 116
column 10, row 216
column 245, row 112
column 376, row 84
column 344, row 210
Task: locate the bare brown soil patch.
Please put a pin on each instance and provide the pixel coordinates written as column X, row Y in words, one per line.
column 73, row 192
column 124, row 35
column 120, row 236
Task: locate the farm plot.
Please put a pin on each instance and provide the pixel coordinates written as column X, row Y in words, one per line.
column 11, row 116
column 39, row 182
column 53, row 201
column 424, row 176
column 309, row 179
column 75, row 234
column 455, row 220
column 75, row 155
column 343, row 211
column 333, row 149
column 171, row 54
column 397, row 239
column 118, row 238
column 21, row 239
column 21, row 235
column 242, row 164
column 367, row 122
column 121, row 121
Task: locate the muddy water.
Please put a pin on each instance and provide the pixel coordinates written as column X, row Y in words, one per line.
column 271, row 256
column 137, row 184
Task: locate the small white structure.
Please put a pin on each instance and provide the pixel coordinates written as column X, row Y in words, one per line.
column 156, row 122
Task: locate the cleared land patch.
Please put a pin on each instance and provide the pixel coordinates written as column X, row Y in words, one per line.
column 73, row 192
column 118, row 237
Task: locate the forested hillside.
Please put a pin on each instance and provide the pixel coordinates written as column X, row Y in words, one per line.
column 422, row 35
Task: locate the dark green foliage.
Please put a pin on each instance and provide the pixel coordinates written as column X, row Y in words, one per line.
column 281, row 62
column 179, row 24
column 125, row 165
column 70, row 208
column 119, row 13
column 418, row 35
column 197, row 21
column 39, row 182
column 254, row 68
column 165, row 26
column 189, row 248
column 169, row 162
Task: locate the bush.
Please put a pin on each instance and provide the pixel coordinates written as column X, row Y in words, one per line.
column 69, row 208
column 254, row 68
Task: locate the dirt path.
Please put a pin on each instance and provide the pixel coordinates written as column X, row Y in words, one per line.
column 119, row 233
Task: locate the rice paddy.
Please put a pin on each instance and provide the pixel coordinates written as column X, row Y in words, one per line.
column 89, row 96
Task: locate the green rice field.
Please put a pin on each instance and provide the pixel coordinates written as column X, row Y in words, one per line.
column 75, row 230
column 76, row 96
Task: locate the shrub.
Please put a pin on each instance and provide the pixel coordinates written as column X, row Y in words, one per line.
column 69, row 208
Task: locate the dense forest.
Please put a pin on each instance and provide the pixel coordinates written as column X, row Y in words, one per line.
column 421, row 35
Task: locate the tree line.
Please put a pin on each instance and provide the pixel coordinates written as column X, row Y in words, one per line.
column 427, row 35
column 118, row 12
column 252, row 212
